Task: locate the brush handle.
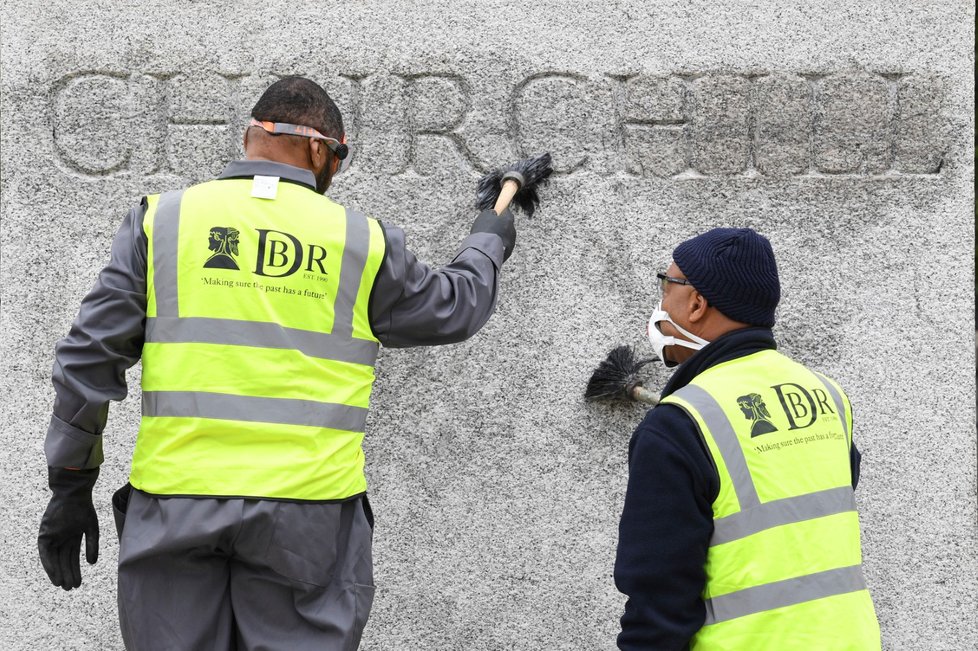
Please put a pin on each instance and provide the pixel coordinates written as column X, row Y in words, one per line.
column 506, row 194
column 641, row 394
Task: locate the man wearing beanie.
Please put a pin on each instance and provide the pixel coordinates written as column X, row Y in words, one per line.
column 739, row 529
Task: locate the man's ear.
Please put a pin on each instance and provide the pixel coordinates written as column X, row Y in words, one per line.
column 697, row 306
column 317, row 153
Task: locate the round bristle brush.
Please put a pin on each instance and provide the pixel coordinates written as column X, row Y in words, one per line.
column 617, row 377
column 516, row 184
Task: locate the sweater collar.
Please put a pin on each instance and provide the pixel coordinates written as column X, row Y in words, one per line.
column 734, row 344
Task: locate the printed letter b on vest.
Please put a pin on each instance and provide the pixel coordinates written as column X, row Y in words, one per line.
column 279, row 254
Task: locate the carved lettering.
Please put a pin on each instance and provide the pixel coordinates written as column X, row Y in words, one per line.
column 199, row 139
column 437, row 107
column 567, row 139
column 93, row 122
column 782, row 125
column 720, row 125
column 350, row 103
column 651, row 119
column 682, row 126
column 852, row 134
column 920, row 141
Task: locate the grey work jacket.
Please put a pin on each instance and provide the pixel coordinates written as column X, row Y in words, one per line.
column 412, row 305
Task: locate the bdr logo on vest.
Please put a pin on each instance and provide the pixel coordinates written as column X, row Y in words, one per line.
column 282, row 254
column 800, row 406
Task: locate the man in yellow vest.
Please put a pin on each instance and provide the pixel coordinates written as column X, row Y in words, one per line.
column 257, row 306
column 739, row 529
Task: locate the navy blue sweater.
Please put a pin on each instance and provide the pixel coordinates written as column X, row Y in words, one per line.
column 667, row 519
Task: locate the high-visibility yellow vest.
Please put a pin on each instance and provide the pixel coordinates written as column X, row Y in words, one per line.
column 784, row 565
column 258, row 361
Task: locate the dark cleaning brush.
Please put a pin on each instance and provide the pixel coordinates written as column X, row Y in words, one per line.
column 617, row 377
column 517, row 183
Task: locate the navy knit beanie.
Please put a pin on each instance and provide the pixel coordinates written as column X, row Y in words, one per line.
column 734, row 269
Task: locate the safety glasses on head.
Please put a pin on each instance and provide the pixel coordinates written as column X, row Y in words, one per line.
column 340, row 148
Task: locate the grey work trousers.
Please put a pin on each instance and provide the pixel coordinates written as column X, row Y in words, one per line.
column 200, row 574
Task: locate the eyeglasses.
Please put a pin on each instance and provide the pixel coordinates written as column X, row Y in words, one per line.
column 340, row 148
column 663, row 279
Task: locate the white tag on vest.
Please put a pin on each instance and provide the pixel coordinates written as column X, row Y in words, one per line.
column 265, row 187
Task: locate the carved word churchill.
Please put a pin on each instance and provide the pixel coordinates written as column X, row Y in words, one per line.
column 689, row 125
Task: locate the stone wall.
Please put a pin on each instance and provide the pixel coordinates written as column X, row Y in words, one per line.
column 843, row 131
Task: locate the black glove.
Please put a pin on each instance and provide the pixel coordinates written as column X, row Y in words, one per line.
column 70, row 514
column 502, row 225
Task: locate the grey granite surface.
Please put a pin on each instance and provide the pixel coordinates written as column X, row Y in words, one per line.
column 843, row 131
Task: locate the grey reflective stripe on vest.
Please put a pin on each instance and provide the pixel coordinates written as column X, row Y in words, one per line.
column 784, row 593
column 726, row 439
column 355, row 253
column 785, row 511
column 166, row 231
column 839, row 404
column 257, row 334
column 223, row 406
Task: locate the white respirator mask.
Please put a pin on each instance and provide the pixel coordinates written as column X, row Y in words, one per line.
column 660, row 341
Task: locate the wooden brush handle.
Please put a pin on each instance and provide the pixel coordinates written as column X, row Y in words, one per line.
column 642, row 394
column 506, row 194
